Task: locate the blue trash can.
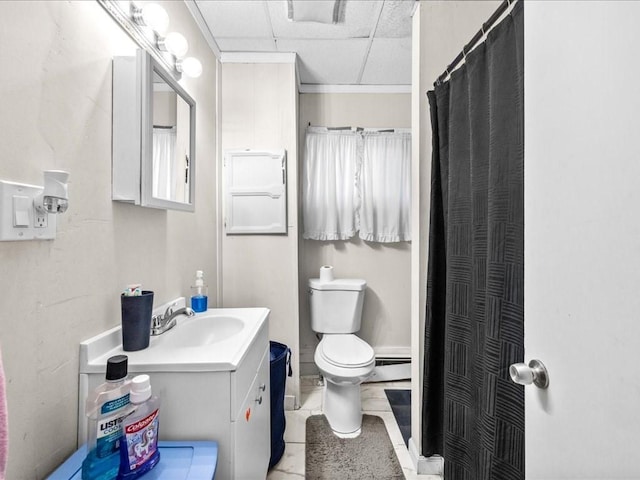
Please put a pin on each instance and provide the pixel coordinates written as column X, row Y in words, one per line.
column 280, row 356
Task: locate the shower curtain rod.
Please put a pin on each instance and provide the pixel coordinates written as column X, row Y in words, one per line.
column 504, row 6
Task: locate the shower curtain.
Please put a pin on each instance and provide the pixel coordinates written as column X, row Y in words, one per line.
column 473, row 415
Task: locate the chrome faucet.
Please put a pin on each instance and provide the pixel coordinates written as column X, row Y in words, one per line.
column 164, row 322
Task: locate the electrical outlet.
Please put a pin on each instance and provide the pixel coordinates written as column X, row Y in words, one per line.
column 40, row 219
column 12, row 223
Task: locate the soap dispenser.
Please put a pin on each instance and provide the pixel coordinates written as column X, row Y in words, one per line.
column 199, row 294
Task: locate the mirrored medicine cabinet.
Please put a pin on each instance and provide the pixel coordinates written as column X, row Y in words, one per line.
column 153, row 136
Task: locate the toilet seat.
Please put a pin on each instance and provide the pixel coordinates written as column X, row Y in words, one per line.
column 346, row 351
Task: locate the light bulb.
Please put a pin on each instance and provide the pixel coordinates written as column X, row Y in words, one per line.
column 190, row 66
column 153, row 16
column 174, row 43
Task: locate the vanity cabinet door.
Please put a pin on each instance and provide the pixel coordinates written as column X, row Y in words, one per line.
column 252, row 442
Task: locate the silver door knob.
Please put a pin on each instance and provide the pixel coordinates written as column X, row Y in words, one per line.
column 535, row 373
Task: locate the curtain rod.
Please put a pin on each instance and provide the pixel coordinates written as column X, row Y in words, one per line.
column 481, row 33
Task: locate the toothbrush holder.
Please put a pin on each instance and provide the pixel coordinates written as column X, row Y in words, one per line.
column 136, row 321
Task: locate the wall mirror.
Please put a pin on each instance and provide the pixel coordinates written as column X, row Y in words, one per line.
column 153, row 136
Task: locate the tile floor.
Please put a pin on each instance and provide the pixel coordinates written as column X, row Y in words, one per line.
column 374, row 402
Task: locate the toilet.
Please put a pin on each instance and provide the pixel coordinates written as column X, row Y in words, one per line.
column 344, row 359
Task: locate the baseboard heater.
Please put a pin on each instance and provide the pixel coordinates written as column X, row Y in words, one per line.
column 390, row 369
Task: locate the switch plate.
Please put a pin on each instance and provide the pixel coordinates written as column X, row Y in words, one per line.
column 9, row 215
column 22, row 206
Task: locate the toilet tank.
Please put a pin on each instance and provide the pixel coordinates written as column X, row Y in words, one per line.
column 336, row 305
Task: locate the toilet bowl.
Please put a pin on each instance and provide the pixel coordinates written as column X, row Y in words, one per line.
column 345, row 361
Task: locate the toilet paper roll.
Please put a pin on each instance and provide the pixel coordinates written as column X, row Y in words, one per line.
column 326, row 273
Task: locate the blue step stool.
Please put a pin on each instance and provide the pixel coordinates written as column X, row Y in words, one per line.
column 178, row 461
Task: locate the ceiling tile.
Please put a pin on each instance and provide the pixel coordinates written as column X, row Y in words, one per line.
column 360, row 17
column 395, row 19
column 328, row 54
column 331, row 62
column 389, row 62
column 246, row 44
column 240, row 19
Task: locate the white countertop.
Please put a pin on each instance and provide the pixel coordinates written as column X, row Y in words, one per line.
column 163, row 356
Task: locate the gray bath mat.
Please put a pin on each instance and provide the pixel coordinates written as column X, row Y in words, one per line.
column 370, row 456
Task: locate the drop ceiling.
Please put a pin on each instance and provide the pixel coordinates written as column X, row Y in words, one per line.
column 369, row 46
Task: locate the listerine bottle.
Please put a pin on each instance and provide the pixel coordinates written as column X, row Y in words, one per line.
column 105, row 408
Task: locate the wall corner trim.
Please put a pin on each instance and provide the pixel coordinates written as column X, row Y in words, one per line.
column 193, row 8
column 425, row 465
column 258, row 57
column 317, row 88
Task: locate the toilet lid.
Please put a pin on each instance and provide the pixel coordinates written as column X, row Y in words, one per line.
column 346, row 351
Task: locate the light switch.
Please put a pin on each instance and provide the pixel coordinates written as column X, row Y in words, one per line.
column 21, row 207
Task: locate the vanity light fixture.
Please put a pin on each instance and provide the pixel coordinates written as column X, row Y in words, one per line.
column 147, row 24
column 28, row 212
column 174, row 43
column 190, row 66
column 151, row 15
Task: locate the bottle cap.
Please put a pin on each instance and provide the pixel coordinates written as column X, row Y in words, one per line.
column 117, row 367
column 140, row 389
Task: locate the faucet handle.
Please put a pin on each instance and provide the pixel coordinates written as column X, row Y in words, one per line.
column 156, row 321
column 169, row 309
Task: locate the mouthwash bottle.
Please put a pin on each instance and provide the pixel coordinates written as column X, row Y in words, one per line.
column 139, row 447
column 199, row 294
column 106, row 406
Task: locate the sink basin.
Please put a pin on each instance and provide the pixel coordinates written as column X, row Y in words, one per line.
column 211, row 341
column 201, row 330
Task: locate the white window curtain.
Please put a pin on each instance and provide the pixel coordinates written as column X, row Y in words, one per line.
column 164, row 144
column 385, row 186
column 329, row 172
column 357, row 180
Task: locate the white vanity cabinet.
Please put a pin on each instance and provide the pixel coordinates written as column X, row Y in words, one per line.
column 198, row 402
column 250, row 430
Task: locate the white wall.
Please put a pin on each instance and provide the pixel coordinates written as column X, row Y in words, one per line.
column 259, row 111
column 442, row 28
column 56, row 113
column 385, row 267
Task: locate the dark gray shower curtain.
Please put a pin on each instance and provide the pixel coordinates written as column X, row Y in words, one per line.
column 473, row 415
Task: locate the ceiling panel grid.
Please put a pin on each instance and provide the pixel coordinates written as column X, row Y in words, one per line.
column 369, row 45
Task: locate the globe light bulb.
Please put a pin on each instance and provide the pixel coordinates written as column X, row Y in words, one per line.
column 190, row 66
column 174, row 43
column 153, row 16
